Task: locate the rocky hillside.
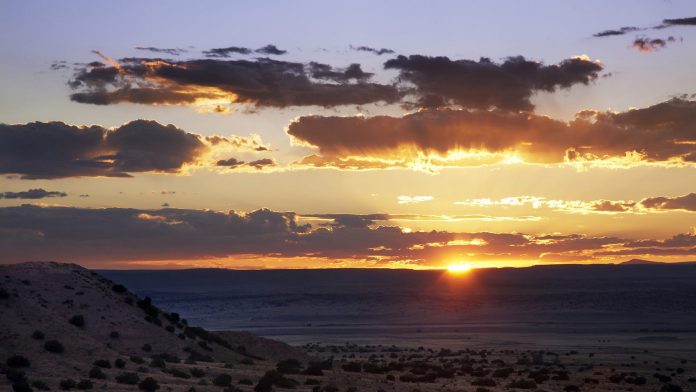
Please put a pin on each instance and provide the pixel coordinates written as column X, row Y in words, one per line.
column 65, row 327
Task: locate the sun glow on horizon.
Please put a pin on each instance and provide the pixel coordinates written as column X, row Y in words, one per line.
column 459, row 268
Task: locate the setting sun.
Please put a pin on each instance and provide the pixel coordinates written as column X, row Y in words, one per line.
column 459, row 268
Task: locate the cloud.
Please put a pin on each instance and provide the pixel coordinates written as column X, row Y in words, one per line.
column 621, row 31
column 484, row 84
column 234, row 163
column 170, row 51
column 56, row 150
column 226, row 52
column 403, row 199
column 648, row 45
column 432, row 139
column 212, row 83
column 113, row 235
column 37, row 193
column 270, row 50
column 680, row 22
column 683, row 203
column 368, row 49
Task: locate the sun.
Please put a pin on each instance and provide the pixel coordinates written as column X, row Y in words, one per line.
column 459, row 268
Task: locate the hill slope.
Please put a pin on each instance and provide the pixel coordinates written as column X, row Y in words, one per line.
column 63, row 318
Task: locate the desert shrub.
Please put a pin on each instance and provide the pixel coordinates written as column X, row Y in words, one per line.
column 484, row 382
column 85, row 384
column 173, row 317
column 77, row 320
column 157, row 362
column 575, row 388
column 503, row 372
column 197, row 372
column 127, row 378
column 149, row 384
column 15, row 375
column 352, row 367
column 21, row 386
column 146, row 347
column 523, row 384
column 222, row 380
column 204, row 346
column 245, row 381
column 97, row 373
column 67, row 384
column 120, row 363
column 169, row 328
column 4, row 294
column 246, row 361
column 54, row 346
column 274, row 377
column 169, row 358
column 137, row 360
column 198, row 357
column 40, row 385
column 114, row 335
column 17, row 361
column 102, row 363
column 38, row 335
column 119, row 288
column 179, row 373
column 312, row 381
column 289, row 366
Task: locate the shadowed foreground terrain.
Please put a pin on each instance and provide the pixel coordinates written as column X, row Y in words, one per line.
column 67, row 328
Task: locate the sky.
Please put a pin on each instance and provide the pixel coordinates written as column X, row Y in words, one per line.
column 303, row 134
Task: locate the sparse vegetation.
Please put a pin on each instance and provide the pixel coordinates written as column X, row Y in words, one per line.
column 77, row 320
column 147, row 348
column 17, row 361
column 289, row 366
column 4, row 294
column 67, row 384
column 54, row 346
column 119, row 288
column 21, row 386
column 120, row 363
column 197, row 372
column 137, row 360
column 222, row 380
column 38, row 335
column 97, row 373
column 114, row 335
column 149, row 384
column 15, row 375
column 85, row 384
column 102, row 363
column 40, row 385
column 127, row 378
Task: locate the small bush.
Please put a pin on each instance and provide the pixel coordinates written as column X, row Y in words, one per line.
column 197, row 372
column 97, row 374
column 158, row 362
column 15, row 375
column 21, row 386
column 169, row 328
column 54, row 346
column 289, row 366
column 245, row 381
column 179, row 373
column 246, row 361
column 114, row 335
column 77, row 320
column 119, row 288
column 149, row 384
column 102, row 363
column 222, row 380
column 40, row 385
column 67, row 384
column 146, row 347
column 4, row 294
column 127, row 378
column 38, row 335
column 523, row 384
column 120, row 363
column 85, row 384
column 17, row 361
column 137, row 360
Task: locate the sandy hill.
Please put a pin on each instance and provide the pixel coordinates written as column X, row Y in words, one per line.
column 69, row 322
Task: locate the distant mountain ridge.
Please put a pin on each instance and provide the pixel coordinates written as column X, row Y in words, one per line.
column 651, row 262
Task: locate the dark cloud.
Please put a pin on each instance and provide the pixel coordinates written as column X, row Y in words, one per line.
column 234, row 163
column 621, row 31
column 32, row 194
column 325, row 71
column 231, row 162
column 270, row 50
column 226, row 52
column 169, row 51
column 484, row 84
column 684, row 203
column 648, row 45
column 664, row 132
column 376, row 51
column 260, row 82
column 119, row 234
column 55, row 149
column 680, row 22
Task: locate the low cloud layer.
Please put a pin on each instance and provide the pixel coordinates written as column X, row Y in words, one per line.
column 649, row 45
column 662, row 133
column 37, row 193
column 113, row 235
column 56, row 150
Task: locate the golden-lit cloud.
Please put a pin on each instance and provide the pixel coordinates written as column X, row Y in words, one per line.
column 429, row 140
